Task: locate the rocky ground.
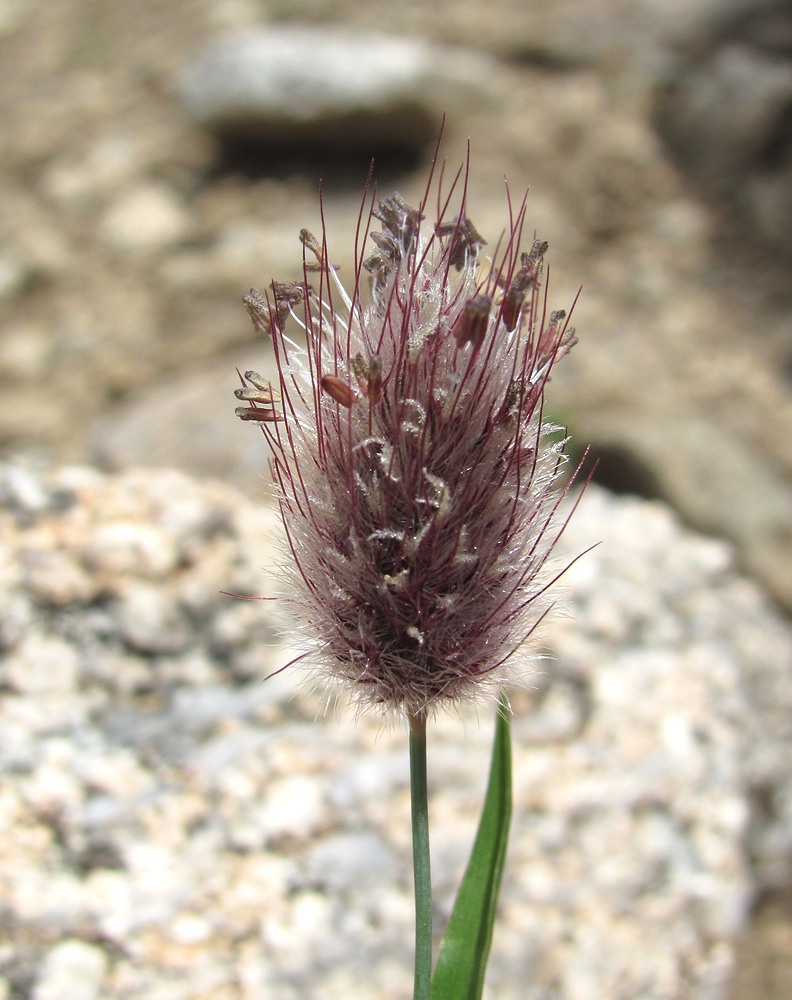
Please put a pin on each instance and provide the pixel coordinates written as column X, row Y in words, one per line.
column 132, row 224
column 174, row 825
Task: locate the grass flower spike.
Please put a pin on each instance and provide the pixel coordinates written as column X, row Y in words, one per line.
column 415, row 476
column 417, row 482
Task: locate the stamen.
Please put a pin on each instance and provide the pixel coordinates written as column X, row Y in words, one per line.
column 339, row 390
column 259, row 311
column 527, row 277
column 262, row 416
column 369, row 376
column 466, row 243
column 471, row 324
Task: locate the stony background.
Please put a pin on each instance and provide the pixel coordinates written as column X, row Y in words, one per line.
column 173, row 825
column 655, row 137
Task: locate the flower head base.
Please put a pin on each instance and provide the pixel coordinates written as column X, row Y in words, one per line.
column 416, row 479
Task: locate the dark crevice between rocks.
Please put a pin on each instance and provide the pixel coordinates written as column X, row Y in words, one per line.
column 544, row 58
column 618, row 470
column 776, row 152
column 341, row 167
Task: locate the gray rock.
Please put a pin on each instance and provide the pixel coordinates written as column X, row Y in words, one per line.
column 151, row 430
column 214, row 827
column 146, row 219
column 725, row 113
column 73, row 970
column 353, row 858
column 297, row 85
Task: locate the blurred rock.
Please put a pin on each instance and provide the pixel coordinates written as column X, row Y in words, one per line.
column 146, row 218
column 173, row 822
column 24, row 352
column 300, row 85
column 187, row 421
column 73, row 970
column 720, row 481
column 726, row 112
column 13, row 276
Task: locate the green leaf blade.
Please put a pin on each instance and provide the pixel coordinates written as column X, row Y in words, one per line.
column 462, row 960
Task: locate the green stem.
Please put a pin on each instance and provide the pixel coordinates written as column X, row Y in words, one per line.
column 421, row 868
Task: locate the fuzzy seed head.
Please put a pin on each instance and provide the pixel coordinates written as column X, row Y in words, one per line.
column 416, row 479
